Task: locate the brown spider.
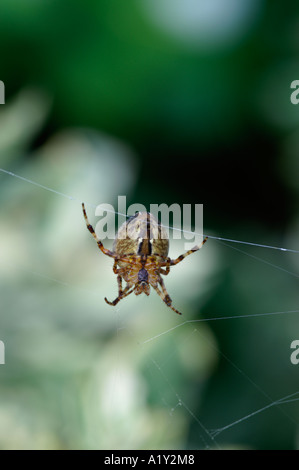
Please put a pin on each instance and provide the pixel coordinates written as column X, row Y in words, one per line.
column 140, row 252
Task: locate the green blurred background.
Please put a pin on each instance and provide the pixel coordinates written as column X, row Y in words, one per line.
column 174, row 101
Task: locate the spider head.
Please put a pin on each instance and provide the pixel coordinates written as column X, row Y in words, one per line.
column 142, row 286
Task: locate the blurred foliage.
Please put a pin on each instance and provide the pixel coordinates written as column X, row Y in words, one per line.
column 161, row 101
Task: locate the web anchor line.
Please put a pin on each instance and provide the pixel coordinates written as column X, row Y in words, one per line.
column 287, row 399
column 230, row 240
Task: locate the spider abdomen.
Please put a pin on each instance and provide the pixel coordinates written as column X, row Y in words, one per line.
column 141, row 234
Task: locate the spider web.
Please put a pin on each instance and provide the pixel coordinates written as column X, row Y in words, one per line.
column 177, row 405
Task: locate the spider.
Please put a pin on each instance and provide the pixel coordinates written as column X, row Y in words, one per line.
column 140, row 252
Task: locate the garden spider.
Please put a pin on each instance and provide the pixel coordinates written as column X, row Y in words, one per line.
column 140, row 252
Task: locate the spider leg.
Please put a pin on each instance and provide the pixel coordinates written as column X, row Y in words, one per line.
column 121, row 293
column 167, row 271
column 116, row 270
column 100, row 244
column 173, row 262
column 165, row 296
